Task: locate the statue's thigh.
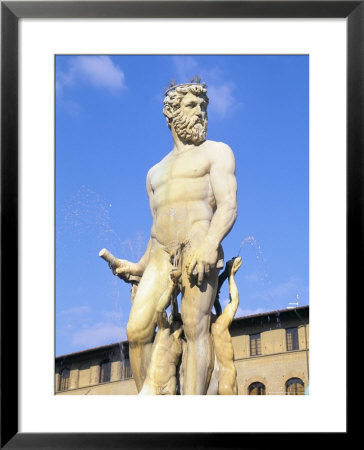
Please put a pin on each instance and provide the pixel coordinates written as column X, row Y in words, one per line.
column 197, row 301
column 152, row 285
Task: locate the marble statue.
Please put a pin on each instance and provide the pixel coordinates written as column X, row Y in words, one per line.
column 161, row 376
column 192, row 196
column 222, row 340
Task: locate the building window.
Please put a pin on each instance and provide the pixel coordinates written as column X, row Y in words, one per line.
column 292, row 338
column 105, row 372
column 255, row 345
column 256, row 389
column 64, row 379
column 295, row 386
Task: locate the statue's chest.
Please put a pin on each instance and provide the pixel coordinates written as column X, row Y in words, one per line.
column 180, row 168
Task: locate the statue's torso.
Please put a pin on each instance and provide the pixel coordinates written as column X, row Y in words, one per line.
column 183, row 199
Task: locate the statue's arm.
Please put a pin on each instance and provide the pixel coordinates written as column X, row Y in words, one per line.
column 126, row 270
column 228, row 314
column 224, row 186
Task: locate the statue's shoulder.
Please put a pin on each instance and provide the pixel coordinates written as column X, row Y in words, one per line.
column 219, row 146
column 219, row 150
column 157, row 166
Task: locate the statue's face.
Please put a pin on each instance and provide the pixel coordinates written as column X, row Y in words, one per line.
column 193, row 106
column 190, row 123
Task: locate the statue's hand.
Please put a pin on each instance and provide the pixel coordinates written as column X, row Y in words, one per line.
column 203, row 260
column 124, row 269
column 175, row 275
column 236, row 263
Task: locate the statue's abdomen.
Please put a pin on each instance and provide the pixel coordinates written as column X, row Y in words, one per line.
column 180, row 205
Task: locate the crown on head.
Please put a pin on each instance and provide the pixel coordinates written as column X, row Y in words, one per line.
column 193, row 82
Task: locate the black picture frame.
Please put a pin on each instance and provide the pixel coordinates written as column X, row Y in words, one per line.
column 11, row 12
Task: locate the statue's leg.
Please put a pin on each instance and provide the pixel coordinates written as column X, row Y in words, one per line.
column 142, row 318
column 196, row 307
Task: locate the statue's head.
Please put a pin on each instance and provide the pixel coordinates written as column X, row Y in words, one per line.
column 185, row 108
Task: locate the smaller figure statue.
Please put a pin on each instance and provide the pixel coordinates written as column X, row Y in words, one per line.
column 224, row 352
column 168, row 346
column 161, row 376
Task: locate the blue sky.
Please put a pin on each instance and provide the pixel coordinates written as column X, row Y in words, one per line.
column 110, row 130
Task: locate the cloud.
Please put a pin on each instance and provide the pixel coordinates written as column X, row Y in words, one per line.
column 112, row 315
column 251, row 312
column 282, row 293
column 58, row 87
column 286, row 289
column 220, row 90
column 74, row 312
column 99, row 71
column 101, row 333
column 82, row 327
column 73, row 108
column 185, row 67
column 222, row 100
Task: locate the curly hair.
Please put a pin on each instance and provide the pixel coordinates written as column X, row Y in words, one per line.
column 173, row 99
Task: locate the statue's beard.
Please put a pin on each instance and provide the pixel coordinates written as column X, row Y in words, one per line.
column 190, row 131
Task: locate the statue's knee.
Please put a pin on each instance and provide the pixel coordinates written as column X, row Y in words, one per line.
column 131, row 332
column 225, row 389
column 138, row 333
column 194, row 329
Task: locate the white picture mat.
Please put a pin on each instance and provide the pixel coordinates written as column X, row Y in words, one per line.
column 324, row 409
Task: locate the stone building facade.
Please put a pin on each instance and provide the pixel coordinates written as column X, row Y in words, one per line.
column 271, row 352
